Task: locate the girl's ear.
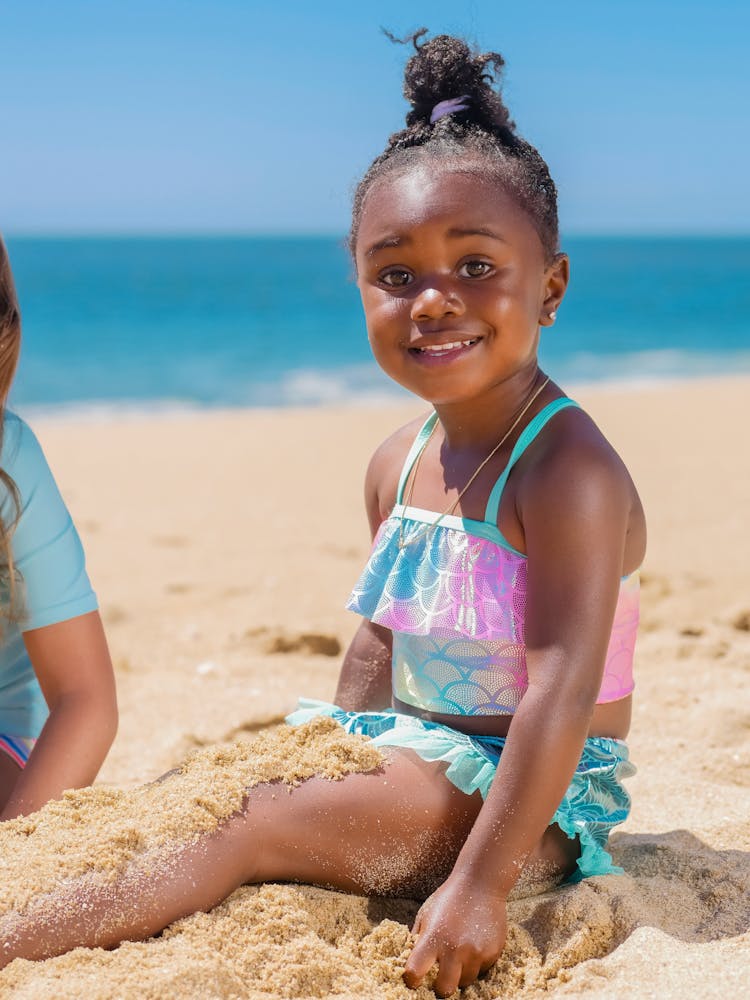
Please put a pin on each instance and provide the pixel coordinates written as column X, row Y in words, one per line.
column 556, row 278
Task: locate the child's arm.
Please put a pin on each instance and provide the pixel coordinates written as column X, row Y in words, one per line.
column 365, row 678
column 72, row 664
column 56, row 610
column 575, row 552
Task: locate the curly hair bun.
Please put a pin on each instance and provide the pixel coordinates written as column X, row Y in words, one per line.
column 457, row 112
column 445, row 67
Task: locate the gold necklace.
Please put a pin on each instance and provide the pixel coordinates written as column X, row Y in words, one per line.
column 402, row 543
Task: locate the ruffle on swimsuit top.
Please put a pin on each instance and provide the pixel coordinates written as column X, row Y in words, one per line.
column 442, row 580
column 455, row 601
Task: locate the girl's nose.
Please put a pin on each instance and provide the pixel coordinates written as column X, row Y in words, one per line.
column 434, row 302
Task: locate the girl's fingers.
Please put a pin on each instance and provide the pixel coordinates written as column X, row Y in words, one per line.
column 486, row 966
column 449, row 974
column 423, row 957
column 470, row 973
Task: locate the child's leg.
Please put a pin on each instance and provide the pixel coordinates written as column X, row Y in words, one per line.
column 396, row 830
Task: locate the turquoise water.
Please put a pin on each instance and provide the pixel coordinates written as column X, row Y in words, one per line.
column 276, row 321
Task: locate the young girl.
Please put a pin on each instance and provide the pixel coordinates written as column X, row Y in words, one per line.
column 493, row 665
column 58, row 713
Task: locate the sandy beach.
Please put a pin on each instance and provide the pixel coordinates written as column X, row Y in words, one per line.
column 222, row 546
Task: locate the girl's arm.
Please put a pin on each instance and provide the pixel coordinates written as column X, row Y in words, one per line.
column 61, row 629
column 72, row 664
column 365, row 678
column 575, row 558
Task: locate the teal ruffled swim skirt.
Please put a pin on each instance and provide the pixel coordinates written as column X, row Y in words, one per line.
column 593, row 805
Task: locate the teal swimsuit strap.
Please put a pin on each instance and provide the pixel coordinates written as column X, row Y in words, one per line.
column 527, row 435
column 419, row 442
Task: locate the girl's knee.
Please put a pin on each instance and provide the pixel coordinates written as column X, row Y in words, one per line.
column 553, row 860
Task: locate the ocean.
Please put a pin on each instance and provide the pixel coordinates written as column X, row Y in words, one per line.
column 124, row 322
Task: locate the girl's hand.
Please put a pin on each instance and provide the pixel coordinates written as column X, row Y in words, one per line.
column 462, row 928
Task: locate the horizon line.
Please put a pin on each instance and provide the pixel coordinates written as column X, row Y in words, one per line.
column 281, row 234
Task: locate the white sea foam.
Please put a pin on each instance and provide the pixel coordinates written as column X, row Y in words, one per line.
column 366, row 385
column 361, row 384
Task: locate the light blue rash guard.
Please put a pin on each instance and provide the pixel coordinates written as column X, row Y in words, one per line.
column 49, row 557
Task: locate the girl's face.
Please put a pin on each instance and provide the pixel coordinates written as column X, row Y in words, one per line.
column 453, row 281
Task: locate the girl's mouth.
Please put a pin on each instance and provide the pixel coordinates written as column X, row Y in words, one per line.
column 443, row 352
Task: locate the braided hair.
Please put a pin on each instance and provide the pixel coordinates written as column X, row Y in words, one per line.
column 479, row 132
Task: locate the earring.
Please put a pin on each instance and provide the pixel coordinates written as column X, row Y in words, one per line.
column 553, row 315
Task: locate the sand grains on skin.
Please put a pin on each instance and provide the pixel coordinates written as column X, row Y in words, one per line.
column 299, row 942
column 100, row 830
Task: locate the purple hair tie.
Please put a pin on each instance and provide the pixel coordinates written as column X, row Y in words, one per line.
column 449, row 107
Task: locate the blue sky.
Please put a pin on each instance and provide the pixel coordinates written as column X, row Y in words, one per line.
column 197, row 116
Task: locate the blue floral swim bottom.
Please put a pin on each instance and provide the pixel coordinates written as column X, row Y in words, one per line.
column 594, row 803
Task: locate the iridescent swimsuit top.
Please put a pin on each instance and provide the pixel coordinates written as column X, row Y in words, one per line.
column 454, row 598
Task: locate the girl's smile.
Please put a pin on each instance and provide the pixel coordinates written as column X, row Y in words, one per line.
column 453, row 280
column 439, row 354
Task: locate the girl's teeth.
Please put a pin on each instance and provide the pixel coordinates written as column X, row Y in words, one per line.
column 439, row 348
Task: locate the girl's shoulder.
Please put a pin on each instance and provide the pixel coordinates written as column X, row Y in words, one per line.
column 572, row 448
column 21, row 453
column 573, row 475
column 384, row 469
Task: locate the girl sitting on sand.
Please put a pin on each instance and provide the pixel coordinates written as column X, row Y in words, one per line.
column 58, row 711
column 493, row 666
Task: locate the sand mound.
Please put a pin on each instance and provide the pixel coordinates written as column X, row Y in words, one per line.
column 295, row 941
column 99, row 830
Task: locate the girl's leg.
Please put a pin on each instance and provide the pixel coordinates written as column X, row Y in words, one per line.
column 393, row 831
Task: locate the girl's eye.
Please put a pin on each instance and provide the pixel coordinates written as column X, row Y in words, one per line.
column 395, row 279
column 475, row 268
